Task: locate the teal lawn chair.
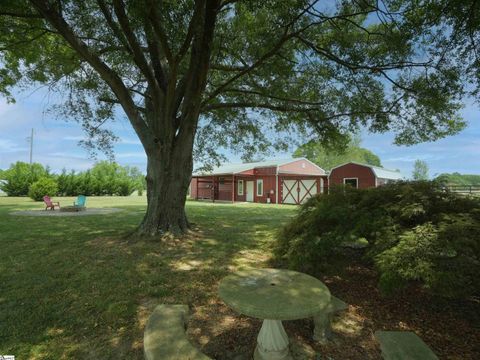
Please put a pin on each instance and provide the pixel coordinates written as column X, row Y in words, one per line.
column 81, row 200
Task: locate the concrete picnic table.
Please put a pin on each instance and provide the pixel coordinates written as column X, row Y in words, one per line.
column 274, row 295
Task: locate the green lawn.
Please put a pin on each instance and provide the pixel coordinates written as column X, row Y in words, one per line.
column 78, row 287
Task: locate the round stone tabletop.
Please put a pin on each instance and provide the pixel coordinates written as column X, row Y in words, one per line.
column 274, row 294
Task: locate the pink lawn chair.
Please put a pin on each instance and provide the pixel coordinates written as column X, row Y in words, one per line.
column 49, row 204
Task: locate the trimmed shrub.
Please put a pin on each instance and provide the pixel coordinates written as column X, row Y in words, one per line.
column 105, row 178
column 124, row 187
column 42, row 187
column 415, row 232
column 20, row 176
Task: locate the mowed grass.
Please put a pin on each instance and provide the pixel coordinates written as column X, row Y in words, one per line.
column 81, row 288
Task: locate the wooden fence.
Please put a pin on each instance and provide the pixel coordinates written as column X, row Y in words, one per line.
column 464, row 189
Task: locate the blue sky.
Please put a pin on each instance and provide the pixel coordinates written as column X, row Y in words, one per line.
column 56, row 141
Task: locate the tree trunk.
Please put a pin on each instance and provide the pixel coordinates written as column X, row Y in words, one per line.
column 169, row 170
column 172, row 118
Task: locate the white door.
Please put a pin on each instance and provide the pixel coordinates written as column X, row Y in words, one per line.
column 289, row 191
column 308, row 188
column 249, row 193
column 298, row 191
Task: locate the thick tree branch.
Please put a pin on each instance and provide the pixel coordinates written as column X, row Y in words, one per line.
column 190, row 32
column 283, row 39
column 159, row 31
column 139, row 58
column 20, row 15
column 196, row 79
column 115, row 101
column 294, row 109
column 155, row 57
column 107, row 74
column 273, row 97
column 23, row 42
column 257, row 105
column 380, row 68
column 114, row 26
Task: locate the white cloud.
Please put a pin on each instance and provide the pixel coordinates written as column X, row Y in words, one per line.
column 8, row 146
column 130, row 141
column 413, row 157
column 73, row 138
column 130, row 154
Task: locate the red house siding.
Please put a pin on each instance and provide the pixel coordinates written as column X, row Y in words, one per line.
column 240, row 197
column 225, row 187
column 265, row 171
column 268, row 186
column 365, row 175
column 300, row 167
column 193, row 188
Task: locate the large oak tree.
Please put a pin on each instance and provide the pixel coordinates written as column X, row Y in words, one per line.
column 199, row 75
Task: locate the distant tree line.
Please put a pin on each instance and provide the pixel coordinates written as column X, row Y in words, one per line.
column 104, row 178
column 327, row 158
column 457, row 179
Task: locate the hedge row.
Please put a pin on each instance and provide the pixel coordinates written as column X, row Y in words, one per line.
column 415, row 232
column 105, row 178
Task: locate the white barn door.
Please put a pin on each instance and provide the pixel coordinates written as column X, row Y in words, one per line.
column 289, row 192
column 308, row 188
column 298, row 191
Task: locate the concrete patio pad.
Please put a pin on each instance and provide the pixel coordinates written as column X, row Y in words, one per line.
column 88, row 211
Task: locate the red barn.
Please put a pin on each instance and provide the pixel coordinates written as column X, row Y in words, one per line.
column 290, row 181
column 362, row 176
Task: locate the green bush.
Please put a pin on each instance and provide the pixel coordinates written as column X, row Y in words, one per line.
column 42, row 187
column 124, row 187
column 20, row 176
column 415, row 232
column 105, row 178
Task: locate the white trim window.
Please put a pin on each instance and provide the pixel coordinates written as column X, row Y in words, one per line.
column 240, row 187
column 353, row 182
column 259, row 187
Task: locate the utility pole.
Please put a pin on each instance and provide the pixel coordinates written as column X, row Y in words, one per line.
column 30, row 139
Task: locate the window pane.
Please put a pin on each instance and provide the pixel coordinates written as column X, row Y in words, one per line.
column 351, row 182
column 259, row 187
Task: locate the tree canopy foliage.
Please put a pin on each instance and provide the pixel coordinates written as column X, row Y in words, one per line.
column 242, row 74
column 420, row 170
column 20, row 176
column 328, row 158
column 388, row 65
column 45, row 186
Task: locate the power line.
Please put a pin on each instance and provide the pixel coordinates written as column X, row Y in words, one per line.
column 30, row 140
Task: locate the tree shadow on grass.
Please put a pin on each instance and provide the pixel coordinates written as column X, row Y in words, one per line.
column 76, row 288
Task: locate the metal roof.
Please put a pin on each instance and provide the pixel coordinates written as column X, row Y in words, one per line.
column 379, row 172
column 382, row 173
column 228, row 169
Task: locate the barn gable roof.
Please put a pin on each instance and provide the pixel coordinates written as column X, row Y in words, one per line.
column 230, row 169
column 379, row 172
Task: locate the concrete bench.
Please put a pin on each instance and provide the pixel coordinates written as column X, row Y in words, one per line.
column 403, row 345
column 322, row 321
column 165, row 337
